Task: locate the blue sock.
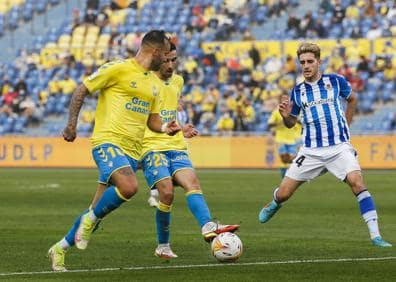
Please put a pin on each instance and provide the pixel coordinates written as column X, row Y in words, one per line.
column 162, row 218
column 110, row 200
column 72, row 232
column 198, row 207
column 283, row 171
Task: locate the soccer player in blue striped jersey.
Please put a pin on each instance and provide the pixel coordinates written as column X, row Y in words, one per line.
column 325, row 139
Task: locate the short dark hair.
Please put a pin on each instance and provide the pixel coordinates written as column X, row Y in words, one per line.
column 155, row 37
column 309, row 48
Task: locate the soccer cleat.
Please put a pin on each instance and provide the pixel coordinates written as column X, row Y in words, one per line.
column 84, row 232
column 211, row 229
column 152, row 201
column 379, row 242
column 268, row 211
column 57, row 257
column 164, row 251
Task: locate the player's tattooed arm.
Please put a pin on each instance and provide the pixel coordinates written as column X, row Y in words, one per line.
column 77, row 100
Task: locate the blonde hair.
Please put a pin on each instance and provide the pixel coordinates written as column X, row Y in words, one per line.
column 307, row 47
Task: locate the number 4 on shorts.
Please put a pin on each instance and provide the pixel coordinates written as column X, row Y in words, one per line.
column 300, row 160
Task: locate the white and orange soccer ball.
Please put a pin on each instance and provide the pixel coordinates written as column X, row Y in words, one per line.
column 227, row 247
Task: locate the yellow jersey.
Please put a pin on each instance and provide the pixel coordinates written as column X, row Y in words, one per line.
column 282, row 133
column 128, row 94
column 170, row 94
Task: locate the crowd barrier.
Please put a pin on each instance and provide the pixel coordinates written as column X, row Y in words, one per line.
column 376, row 152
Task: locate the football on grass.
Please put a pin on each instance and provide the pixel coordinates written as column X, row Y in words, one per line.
column 227, row 247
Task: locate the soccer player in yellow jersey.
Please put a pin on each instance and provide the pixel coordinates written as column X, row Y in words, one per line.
column 165, row 160
column 287, row 139
column 128, row 100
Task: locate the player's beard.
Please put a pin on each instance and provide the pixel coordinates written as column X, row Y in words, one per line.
column 156, row 63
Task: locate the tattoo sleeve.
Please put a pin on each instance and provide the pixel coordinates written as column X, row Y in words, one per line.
column 76, row 103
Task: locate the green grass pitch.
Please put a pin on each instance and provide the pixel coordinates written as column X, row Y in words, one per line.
column 321, row 224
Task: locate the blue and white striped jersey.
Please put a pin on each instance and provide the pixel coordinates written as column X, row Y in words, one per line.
column 324, row 122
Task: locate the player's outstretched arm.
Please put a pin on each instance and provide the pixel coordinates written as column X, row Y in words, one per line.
column 154, row 122
column 285, row 109
column 189, row 131
column 70, row 131
column 351, row 107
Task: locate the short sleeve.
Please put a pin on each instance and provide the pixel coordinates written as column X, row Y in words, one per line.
column 273, row 118
column 295, row 111
column 102, row 78
column 345, row 87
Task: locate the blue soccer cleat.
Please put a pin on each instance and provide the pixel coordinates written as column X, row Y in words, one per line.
column 268, row 211
column 379, row 242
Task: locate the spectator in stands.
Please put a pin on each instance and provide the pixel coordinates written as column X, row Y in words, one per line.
column 370, row 9
column 364, row 65
column 122, row 4
column 254, row 54
column 356, row 32
column 249, row 115
column 326, row 5
column 102, row 19
column 225, row 124
column 320, row 29
column 357, row 84
column 290, row 66
column 338, row 13
column 374, row 32
column 10, row 95
column 345, row 71
column 306, row 25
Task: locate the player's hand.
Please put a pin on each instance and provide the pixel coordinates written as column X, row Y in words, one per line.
column 285, row 108
column 172, row 128
column 69, row 133
column 189, row 131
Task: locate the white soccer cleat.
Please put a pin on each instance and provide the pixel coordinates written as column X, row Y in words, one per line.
column 84, row 231
column 152, row 201
column 164, row 251
column 57, row 257
column 212, row 229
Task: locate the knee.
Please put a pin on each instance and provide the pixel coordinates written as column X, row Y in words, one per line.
column 128, row 190
column 166, row 195
column 192, row 185
column 355, row 181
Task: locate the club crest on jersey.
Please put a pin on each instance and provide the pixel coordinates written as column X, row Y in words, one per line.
column 133, row 84
column 328, row 86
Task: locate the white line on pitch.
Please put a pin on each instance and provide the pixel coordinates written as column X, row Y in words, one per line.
column 202, row 265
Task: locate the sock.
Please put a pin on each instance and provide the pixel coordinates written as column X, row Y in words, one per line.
column 162, row 218
column 283, row 171
column 69, row 238
column 154, row 193
column 368, row 212
column 275, row 200
column 198, row 207
column 64, row 244
column 110, row 200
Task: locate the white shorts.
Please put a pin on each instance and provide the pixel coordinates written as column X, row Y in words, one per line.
column 309, row 163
